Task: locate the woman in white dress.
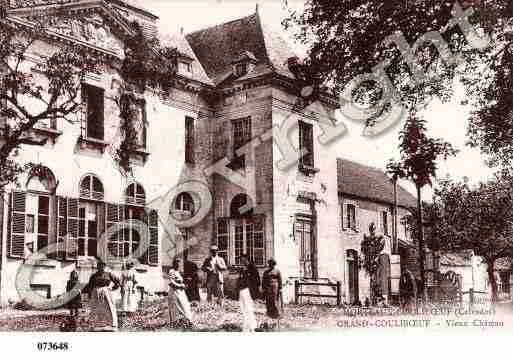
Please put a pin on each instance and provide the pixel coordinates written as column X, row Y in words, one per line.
column 179, row 306
column 128, row 295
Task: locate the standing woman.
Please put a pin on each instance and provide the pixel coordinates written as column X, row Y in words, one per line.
column 247, row 307
column 128, row 295
column 72, row 287
column 103, row 309
column 178, row 304
column 192, row 281
column 271, row 286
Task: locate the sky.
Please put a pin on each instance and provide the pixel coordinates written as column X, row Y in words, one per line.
column 448, row 121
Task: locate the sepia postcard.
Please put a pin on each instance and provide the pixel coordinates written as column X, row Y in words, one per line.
column 243, row 166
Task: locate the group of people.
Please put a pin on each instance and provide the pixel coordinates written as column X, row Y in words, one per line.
column 103, row 312
column 183, row 290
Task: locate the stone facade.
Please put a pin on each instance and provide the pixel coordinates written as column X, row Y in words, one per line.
column 235, row 87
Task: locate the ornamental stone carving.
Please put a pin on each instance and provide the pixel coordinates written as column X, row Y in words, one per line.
column 91, row 29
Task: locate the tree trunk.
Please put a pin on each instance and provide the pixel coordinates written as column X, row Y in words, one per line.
column 422, row 289
column 490, row 264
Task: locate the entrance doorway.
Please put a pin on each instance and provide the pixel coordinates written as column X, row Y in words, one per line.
column 352, row 270
column 305, row 235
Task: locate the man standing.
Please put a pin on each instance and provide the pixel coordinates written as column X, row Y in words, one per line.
column 214, row 266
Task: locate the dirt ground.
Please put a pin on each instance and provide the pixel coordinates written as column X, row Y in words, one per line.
column 207, row 317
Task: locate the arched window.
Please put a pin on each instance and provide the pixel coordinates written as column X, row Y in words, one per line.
column 41, row 179
column 241, row 206
column 135, row 194
column 39, row 204
column 91, row 188
column 184, row 202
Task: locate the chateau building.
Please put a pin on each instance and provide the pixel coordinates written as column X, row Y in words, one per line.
column 211, row 165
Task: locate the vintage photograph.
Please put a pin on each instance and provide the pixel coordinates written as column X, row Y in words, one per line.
column 255, row 166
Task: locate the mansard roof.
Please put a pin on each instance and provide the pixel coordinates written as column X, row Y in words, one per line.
column 356, row 179
column 218, row 46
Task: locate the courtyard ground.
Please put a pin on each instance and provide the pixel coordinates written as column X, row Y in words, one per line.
column 154, row 317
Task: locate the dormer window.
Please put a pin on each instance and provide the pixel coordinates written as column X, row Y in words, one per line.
column 184, row 64
column 244, row 63
column 184, row 68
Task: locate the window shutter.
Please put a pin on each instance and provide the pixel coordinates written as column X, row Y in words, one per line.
column 113, row 216
column 153, row 250
column 357, row 217
column 342, row 219
column 62, row 227
column 84, row 110
column 72, row 230
column 16, row 243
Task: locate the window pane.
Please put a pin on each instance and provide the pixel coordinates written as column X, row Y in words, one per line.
column 44, row 205
column 92, row 248
column 42, row 225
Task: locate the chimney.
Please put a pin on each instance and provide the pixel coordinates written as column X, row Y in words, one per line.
column 181, row 30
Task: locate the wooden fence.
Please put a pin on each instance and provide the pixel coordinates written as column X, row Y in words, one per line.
column 298, row 293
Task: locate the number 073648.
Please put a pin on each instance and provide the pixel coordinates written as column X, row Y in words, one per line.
column 50, row 346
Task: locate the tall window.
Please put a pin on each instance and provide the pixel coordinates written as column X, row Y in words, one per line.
column 306, row 148
column 249, row 239
column 93, row 121
column 91, row 188
column 135, row 194
column 140, row 124
column 241, row 136
column 384, row 222
column 88, row 214
column 223, row 237
column 189, row 140
column 351, row 216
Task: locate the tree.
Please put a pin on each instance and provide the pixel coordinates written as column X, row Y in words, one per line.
column 371, row 247
column 26, row 100
column 418, row 163
column 477, row 218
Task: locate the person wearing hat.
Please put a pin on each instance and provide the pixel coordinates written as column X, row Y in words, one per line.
column 271, row 287
column 214, row 266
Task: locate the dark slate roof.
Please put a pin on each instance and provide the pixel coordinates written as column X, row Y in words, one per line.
column 216, row 48
column 366, row 182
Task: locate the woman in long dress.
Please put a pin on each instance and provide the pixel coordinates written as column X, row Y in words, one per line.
column 271, row 286
column 247, row 307
column 128, row 294
column 192, row 281
column 72, row 287
column 178, row 304
column 103, row 310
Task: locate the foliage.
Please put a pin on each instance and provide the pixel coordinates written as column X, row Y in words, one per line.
column 419, row 153
column 371, row 247
column 147, row 64
column 350, row 38
column 26, row 100
column 478, row 218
